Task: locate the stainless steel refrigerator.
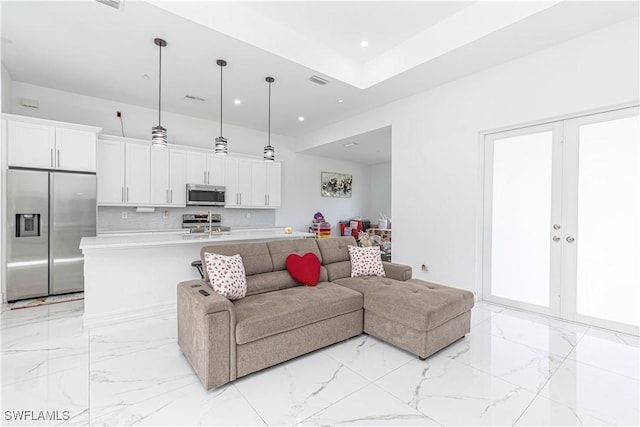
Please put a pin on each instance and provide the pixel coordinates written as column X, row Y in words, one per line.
column 48, row 213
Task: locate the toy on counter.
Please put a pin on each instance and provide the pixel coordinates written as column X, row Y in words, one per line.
column 318, row 217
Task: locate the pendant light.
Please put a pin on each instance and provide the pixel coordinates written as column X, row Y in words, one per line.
column 269, row 151
column 221, row 142
column 158, row 133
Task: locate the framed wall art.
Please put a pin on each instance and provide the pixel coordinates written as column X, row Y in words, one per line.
column 335, row 184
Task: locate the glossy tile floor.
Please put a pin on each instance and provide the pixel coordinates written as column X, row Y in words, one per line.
column 514, row 368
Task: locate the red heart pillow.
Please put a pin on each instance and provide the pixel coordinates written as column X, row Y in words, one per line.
column 304, row 269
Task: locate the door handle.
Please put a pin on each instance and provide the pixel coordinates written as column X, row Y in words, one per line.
column 570, row 239
column 556, row 238
column 556, row 226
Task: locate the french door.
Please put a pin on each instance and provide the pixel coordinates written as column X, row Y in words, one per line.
column 562, row 219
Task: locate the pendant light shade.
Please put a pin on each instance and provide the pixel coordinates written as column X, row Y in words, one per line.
column 158, row 133
column 221, row 147
column 269, row 151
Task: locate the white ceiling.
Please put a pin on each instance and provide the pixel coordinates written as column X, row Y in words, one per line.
column 370, row 148
column 88, row 48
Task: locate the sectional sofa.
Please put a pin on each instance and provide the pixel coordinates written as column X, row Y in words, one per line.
column 279, row 319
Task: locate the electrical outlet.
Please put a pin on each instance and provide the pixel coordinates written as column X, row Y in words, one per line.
column 124, row 214
column 118, row 114
column 165, row 214
column 424, row 268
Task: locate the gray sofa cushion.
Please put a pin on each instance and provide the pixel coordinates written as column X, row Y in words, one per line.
column 420, row 305
column 367, row 284
column 335, row 249
column 266, row 314
column 255, row 256
column 281, row 249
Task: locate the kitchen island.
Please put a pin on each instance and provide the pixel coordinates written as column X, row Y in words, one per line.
column 132, row 276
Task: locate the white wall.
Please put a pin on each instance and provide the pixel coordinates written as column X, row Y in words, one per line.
column 436, row 146
column 6, row 89
column 380, row 190
column 300, row 173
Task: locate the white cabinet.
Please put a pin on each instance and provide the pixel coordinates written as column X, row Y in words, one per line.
column 177, row 177
column 123, row 171
column 205, row 168
column 238, row 183
column 168, row 176
column 45, row 146
column 110, row 172
column 266, row 184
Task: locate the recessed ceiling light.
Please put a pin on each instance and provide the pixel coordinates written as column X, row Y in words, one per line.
column 237, row 101
column 301, row 119
column 340, row 101
column 364, row 43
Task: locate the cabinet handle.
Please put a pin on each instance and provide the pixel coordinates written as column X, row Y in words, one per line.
column 122, row 188
column 205, row 177
column 58, row 157
column 51, row 157
column 208, row 177
column 268, row 199
column 127, row 194
column 265, row 200
column 166, row 195
column 171, row 196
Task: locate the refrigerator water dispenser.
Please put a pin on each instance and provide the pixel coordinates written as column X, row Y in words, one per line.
column 28, row 225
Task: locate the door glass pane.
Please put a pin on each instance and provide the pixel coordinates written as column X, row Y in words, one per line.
column 520, row 256
column 608, row 221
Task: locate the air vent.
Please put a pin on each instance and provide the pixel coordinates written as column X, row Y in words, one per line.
column 194, row 98
column 113, row 3
column 318, row 80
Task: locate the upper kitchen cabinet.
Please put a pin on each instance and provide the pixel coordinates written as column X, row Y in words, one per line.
column 238, row 183
column 123, row 171
column 45, row 144
column 266, row 184
column 205, row 168
column 168, row 176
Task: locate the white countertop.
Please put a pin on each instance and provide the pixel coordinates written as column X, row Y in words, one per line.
column 164, row 239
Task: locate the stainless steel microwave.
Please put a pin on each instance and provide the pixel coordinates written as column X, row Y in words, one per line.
column 205, row 195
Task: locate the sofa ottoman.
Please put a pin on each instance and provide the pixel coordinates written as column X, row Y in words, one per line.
column 418, row 316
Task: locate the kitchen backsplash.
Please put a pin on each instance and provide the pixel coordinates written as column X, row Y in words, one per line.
column 111, row 219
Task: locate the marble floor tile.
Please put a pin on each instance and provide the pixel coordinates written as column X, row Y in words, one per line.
column 134, row 373
column 64, row 395
column 535, row 331
column 190, row 405
column 600, row 393
column 299, row 388
column 456, row 394
column 369, row 356
column 370, row 406
column 516, row 363
column 139, row 335
column 130, row 379
column 545, row 412
column 607, row 350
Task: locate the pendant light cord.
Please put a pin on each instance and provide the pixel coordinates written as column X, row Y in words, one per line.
column 269, row 137
column 160, row 86
column 221, row 100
